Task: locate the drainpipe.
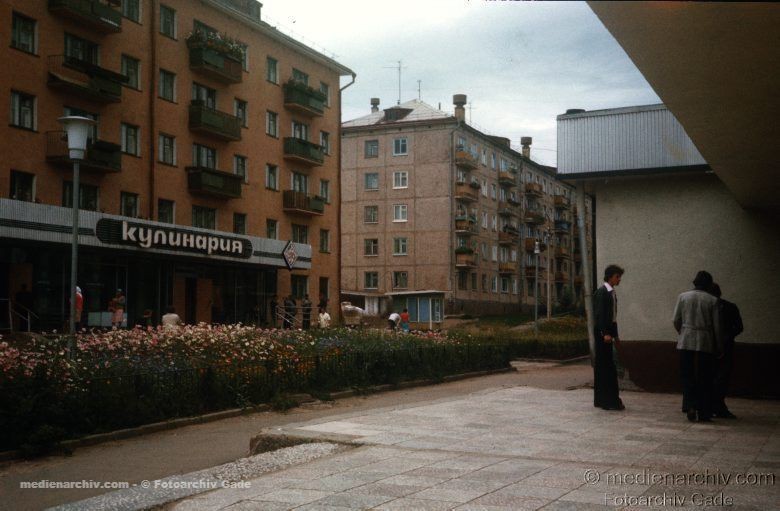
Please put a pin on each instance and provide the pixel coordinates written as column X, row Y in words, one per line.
column 151, row 92
column 587, row 288
column 338, row 206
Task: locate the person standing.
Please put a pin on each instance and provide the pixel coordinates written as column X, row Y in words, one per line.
column 274, row 310
column 170, row 319
column 696, row 319
column 118, row 309
column 79, row 309
column 405, row 320
column 306, row 310
column 324, row 318
column 731, row 326
column 393, row 320
column 605, row 381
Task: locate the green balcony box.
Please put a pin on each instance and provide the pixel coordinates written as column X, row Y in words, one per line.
column 213, row 182
column 303, row 151
column 299, row 202
column 90, row 13
column 84, row 79
column 304, row 99
column 215, row 63
column 213, row 122
column 101, row 156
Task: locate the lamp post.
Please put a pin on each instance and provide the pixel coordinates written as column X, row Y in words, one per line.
column 537, row 250
column 76, row 130
column 550, row 248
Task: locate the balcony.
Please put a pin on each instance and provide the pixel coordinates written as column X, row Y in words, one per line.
column 534, row 189
column 507, row 178
column 513, row 202
column 84, row 79
column 507, row 267
column 507, row 238
column 533, row 216
column 464, row 226
column 505, row 210
column 561, row 276
column 213, row 182
column 562, row 202
column 302, row 203
column 92, row 14
column 214, row 123
column 101, row 156
column 465, row 160
column 213, row 56
column 303, row 151
column 563, row 226
column 303, row 99
column 465, row 260
column 562, row 252
column 465, row 192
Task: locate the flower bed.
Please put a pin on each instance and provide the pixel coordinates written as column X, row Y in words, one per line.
column 126, row 378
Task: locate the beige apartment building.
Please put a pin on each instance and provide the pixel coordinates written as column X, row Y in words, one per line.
column 441, row 218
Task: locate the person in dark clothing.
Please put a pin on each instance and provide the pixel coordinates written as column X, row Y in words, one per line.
column 290, row 309
column 274, row 304
column 306, row 310
column 605, row 381
column 731, row 326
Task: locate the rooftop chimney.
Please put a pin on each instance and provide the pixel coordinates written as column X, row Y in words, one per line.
column 459, row 100
column 374, row 105
column 526, row 143
column 574, row 111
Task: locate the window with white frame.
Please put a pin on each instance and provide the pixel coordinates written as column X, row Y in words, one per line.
column 401, row 179
column 484, row 188
column 240, row 167
column 514, row 285
column 400, row 146
column 371, row 215
column 203, row 156
column 494, row 284
column 167, row 21
column 131, row 70
column 23, row 110
column 484, row 220
column 400, row 246
column 300, row 130
column 167, row 149
column 372, row 181
column 325, row 141
column 167, row 85
column 371, row 280
column 484, row 250
column 400, row 280
column 371, row 247
column 272, row 124
column 130, row 139
column 493, row 191
column 324, row 240
column 494, row 223
column 494, row 252
column 492, row 160
column 484, row 156
column 271, row 229
column 325, row 89
column 272, row 70
column 24, row 33
column 325, row 190
column 240, row 111
column 504, row 284
column 399, row 212
column 131, row 9
column 271, row 177
column 371, row 149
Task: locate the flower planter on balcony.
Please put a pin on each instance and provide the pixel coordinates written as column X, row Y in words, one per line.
column 303, row 204
column 465, row 227
column 507, row 268
column 303, row 99
column 85, row 79
column 214, row 123
column 533, row 189
column 213, row 182
column 465, row 192
column 303, row 151
column 101, row 156
column 465, row 260
column 92, row 14
column 214, row 62
column 505, row 238
column 465, row 160
column 466, row 218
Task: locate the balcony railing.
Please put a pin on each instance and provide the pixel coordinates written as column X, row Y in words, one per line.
column 84, row 79
column 465, row 227
column 533, row 189
column 303, row 151
column 562, row 202
column 504, row 209
column 213, row 122
column 533, row 216
column 101, row 156
column 506, row 178
column 562, row 252
column 530, row 244
column 507, row 267
column 93, row 14
column 562, row 225
column 302, row 203
column 465, row 160
column 213, row 182
column 214, row 62
column 304, row 99
column 507, row 238
column 465, row 260
column 465, row 192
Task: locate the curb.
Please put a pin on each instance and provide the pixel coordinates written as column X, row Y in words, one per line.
column 555, row 361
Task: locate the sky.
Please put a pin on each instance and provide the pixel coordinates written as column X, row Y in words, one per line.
column 520, row 63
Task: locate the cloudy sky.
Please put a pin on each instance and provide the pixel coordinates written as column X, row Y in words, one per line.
column 520, row 63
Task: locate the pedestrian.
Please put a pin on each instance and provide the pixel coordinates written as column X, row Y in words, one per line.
column 405, row 320
column 170, row 319
column 605, row 381
column 324, row 318
column 306, row 309
column 146, row 319
column 696, row 319
column 731, row 326
column 274, row 310
column 290, row 309
column 393, row 320
column 79, row 309
column 117, row 307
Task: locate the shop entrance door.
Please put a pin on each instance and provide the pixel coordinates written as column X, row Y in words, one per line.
column 190, row 300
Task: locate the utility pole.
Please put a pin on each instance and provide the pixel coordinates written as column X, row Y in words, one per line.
column 419, row 90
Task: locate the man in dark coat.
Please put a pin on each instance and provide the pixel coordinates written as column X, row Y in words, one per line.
column 605, row 383
column 731, row 326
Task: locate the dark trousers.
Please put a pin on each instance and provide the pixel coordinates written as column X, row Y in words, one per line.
column 696, row 373
column 605, row 381
column 722, row 379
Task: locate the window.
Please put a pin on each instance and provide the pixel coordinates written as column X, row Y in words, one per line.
column 128, row 204
column 271, row 177
column 324, row 240
column 325, row 190
column 239, row 167
column 131, row 69
column 493, row 191
column 399, row 146
column 504, row 284
column 131, row 9
column 271, row 70
column 325, row 89
column 463, row 281
column 300, row 76
column 372, row 148
column 473, row 281
column 81, row 49
column 325, row 141
column 167, row 85
column 24, row 36
column 93, row 129
column 167, row 21
column 371, row 247
column 401, row 179
column 494, row 252
column 399, row 212
column 300, row 130
column 494, row 223
column 203, row 156
column 492, row 160
column 205, row 95
column 400, row 246
column 484, row 250
column 272, row 124
column 239, row 109
column 22, row 110
column 88, row 196
column 130, row 140
column 371, row 215
column 167, row 149
column 372, row 181
column 165, row 211
column 299, row 285
column 484, row 220
column 494, row 284
column 324, row 287
column 300, row 233
column 371, row 280
column 484, row 188
column 244, row 56
column 484, row 283
column 484, row 162
column 22, row 186
column 400, row 280
column 300, row 182
column 271, row 229
column 239, row 223
column 205, row 218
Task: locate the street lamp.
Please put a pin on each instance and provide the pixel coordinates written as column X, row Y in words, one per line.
column 537, row 250
column 77, row 131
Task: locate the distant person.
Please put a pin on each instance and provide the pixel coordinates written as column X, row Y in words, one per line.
column 274, row 310
column 146, row 319
column 696, row 319
column 324, row 318
column 392, row 320
column 731, row 326
column 79, row 308
column 170, row 319
column 405, row 320
column 605, row 380
column 117, row 308
column 306, row 310
column 24, row 298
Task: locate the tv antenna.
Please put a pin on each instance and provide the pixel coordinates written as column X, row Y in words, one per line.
column 399, row 67
column 419, row 91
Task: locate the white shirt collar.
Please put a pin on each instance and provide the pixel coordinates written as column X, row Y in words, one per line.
column 609, row 288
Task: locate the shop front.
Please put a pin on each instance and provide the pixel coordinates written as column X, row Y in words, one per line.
column 207, row 276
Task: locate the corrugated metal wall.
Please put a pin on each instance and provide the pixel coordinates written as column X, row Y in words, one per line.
column 623, row 139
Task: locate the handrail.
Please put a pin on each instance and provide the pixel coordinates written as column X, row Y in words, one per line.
column 12, row 310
